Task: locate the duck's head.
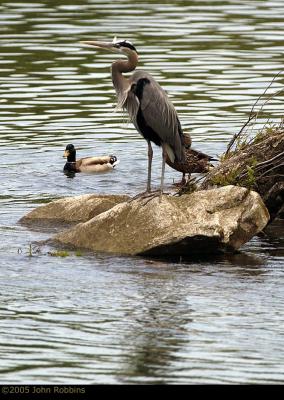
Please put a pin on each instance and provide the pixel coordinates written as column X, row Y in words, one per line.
column 70, row 153
column 187, row 139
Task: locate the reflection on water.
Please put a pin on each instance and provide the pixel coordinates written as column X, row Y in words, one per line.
column 209, row 57
column 102, row 319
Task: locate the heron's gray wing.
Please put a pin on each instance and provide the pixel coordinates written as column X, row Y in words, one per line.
column 159, row 113
column 131, row 104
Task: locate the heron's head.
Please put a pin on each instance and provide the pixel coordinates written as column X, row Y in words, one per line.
column 116, row 46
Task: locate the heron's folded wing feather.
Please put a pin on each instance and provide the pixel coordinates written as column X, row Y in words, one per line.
column 132, row 105
column 159, row 113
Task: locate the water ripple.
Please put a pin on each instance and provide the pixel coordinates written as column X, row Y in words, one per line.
column 105, row 319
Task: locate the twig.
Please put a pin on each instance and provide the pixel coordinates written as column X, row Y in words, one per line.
column 264, row 164
column 271, row 169
column 268, row 87
column 253, row 114
column 269, row 177
column 270, row 160
column 267, row 100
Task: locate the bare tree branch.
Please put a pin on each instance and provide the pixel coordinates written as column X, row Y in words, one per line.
column 254, row 115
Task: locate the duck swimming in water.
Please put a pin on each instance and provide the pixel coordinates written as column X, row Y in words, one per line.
column 87, row 164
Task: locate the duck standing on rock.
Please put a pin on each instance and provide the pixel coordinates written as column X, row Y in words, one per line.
column 195, row 161
column 87, row 164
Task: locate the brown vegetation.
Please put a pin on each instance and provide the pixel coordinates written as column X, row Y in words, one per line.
column 256, row 163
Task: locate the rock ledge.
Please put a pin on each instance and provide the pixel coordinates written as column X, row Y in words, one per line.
column 201, row 222
column 73, row 209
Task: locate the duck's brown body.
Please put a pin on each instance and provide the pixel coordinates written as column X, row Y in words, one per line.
column 196, row 162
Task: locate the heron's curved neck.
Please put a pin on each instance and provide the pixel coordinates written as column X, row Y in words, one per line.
column 123, row 66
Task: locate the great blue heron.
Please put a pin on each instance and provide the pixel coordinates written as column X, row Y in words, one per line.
column 148, row 105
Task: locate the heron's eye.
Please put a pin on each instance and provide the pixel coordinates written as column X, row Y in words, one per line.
column 116, row 45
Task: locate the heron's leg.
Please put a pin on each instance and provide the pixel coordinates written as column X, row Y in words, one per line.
column 150, row 157
column 164, row 156
column 148, row 195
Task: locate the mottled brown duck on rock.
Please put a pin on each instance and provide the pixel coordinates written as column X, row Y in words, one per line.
column 195, row 161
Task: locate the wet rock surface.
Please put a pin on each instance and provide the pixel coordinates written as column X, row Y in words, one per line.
column 73, row 209
column 203, row 222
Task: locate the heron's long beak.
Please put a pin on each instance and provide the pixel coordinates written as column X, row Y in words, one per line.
column 102, row 45
column 66, row 154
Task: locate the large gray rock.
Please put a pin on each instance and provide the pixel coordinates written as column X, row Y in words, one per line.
column 201, row 222
column 74, row 209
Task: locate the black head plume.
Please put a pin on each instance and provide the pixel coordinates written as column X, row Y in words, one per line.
column 125, row 43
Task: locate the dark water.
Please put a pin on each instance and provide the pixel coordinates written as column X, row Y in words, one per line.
column 99, row 318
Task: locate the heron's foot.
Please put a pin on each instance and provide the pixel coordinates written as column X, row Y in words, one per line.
column 180, row 184
column 147, row 196
column 183, row 182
